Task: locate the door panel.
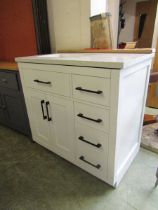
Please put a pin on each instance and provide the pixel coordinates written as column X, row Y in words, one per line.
column 2, row 111
column 62, row 126
column 40, row 126
column 149, row 9
column 14, row 111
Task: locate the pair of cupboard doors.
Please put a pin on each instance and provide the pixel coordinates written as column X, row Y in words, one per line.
column 52, row 122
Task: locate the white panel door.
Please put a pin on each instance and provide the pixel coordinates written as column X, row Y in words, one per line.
column 38, row 117
column 62, row 126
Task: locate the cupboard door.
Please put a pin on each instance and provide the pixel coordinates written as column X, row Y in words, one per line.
column 14, row 111
column 2, row 111
column 62, row 126
column 38, row 118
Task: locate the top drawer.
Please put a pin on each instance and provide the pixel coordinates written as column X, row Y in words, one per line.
column 58, row 83
column 92, row 89
column 8, row 80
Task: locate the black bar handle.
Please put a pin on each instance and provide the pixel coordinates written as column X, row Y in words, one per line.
column 89, row 91
column 42, row 103
column 95, row 145
column 88, row 118
column 39, row 81
column 98, row 166
column 47, row 104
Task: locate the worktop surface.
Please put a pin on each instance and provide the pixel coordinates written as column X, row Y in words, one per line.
column 12, row 66
column 103, row 60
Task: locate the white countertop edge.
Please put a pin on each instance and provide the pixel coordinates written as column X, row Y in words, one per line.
column 99, row 64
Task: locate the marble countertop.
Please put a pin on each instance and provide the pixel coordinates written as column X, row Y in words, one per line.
column 102, row 60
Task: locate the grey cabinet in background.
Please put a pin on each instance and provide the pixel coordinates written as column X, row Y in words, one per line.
column 12, row 105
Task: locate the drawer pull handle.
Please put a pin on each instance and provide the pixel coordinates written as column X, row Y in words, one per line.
column 39, row 81
column 88, row 118
column 98, row 166
column 42, row 103
column 4, row 80
column 89, row 91
column 95, row 145
column 47, row 104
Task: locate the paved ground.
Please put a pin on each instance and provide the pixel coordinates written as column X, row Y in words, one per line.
column 32, row 178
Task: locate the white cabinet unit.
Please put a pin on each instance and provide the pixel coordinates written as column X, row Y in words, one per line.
column 88, row 108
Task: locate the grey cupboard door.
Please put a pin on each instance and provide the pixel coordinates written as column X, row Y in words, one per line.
column 2, row 111
column 15, row 112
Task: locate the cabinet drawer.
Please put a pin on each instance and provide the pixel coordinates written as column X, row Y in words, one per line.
column 8, row 80
column 58, row 83
column 90, row 164
column 92, row 116
column 92, row 89
column 92, row 141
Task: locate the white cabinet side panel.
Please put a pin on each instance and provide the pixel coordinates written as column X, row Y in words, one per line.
column 132, row 96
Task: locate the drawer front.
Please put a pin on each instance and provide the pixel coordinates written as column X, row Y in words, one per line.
column 90, row 164
column 91, row 141
column 92, row 116
column 92, row 89
column 58, row 83
column 8, row 80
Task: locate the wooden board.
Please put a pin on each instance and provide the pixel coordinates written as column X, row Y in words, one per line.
column 101, row 33
column 148, row 119
column 152, row 99
column 136, row 50
column 8, row 65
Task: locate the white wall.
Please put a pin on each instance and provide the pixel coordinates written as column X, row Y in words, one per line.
column 113, row 8
column 69, row 24
column 98, row 6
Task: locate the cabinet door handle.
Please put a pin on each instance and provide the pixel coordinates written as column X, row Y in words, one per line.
column 98, row 166
column 89, row 91
column 39, row 81
column 42, row 103
column 88, row 118
column 47, row 104
column 84, row 140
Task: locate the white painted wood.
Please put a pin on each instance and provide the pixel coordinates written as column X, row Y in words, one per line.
column 94, row 84
column 62, row 126
column 40, row 127
column 102, row 60
column 95, row 137
column 60, row 83
column 92, row 112
column 121, row 109
column 101, row 173
column 66, row 69
column 129, row 123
